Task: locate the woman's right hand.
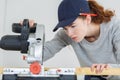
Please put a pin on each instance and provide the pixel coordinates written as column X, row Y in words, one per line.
column 31, row 23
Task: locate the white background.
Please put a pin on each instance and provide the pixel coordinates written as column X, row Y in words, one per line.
column 43, row 12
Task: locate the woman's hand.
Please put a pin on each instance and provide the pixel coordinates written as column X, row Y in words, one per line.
column 31, row 23
column 98, row 68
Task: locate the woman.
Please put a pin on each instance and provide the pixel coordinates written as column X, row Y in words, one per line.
column 94, row 34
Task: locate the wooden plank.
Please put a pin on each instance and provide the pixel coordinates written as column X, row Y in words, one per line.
column 87, row 71
column 1, row 70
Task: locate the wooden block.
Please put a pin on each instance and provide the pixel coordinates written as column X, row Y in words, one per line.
column 87, row 71
column 1, row 70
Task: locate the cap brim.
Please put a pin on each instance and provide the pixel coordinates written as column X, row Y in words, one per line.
column 64, row 23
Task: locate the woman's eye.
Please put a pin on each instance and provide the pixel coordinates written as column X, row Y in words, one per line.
column 72, row 26
column 65, row 29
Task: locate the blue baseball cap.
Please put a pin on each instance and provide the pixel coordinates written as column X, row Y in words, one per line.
column 69, row 10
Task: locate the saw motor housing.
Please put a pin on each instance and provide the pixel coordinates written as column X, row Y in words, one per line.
column 30, row 42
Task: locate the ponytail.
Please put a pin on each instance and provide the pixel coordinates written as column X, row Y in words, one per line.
column 102, row 15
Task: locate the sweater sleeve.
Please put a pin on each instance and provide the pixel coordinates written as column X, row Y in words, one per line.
column 116, row 44
column 59, row 41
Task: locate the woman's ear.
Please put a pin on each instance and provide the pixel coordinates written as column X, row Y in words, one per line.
column 88, row 19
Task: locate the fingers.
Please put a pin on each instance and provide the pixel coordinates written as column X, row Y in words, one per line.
column 31, row 23
column 104, row 66
column 21, row 22
column 98, row 68
column 93, row 67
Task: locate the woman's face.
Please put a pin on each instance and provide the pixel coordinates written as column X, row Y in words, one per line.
column 77, row 30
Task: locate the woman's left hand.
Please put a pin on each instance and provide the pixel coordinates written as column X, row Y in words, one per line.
column 98, row 68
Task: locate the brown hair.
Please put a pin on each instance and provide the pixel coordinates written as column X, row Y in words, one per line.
column 102, row 15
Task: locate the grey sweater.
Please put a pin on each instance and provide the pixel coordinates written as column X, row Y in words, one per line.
column 106, row 49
